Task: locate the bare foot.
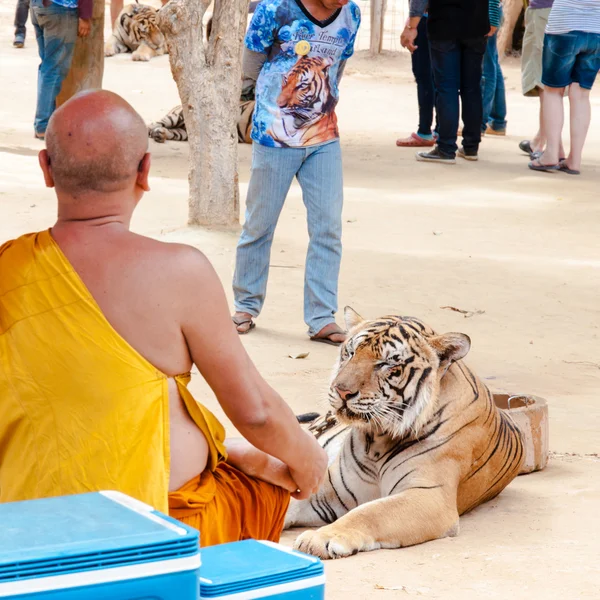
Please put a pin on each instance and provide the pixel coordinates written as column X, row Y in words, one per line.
column 330, row 334
column 244, row 322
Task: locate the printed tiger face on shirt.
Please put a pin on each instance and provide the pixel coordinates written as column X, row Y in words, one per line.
column 297, row 90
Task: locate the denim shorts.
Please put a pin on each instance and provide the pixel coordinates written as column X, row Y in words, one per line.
column 572, row 57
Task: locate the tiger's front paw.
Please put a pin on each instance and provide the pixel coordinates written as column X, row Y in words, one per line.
column 327, row 543
column 109, row 50
column 140, row 56
column 158, row 134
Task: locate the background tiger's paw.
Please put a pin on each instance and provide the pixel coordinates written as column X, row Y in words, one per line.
column 109, row 51
column 158, row 134
column 327, row 543
column 140, row 56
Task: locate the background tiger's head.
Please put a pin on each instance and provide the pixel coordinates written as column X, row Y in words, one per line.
column 388, row 373
column 140, row 23
column 305, row 91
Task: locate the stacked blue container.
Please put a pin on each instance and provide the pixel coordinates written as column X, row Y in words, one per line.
column 108, row 546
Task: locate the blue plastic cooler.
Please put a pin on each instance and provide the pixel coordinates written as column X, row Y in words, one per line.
column 250, row 569
column 99, row 546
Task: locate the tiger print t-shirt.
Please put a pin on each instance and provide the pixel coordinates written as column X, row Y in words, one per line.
column 297, row 89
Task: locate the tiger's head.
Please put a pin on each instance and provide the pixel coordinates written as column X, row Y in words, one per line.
column 140, row 23
column 305, row 91
column 388, row 373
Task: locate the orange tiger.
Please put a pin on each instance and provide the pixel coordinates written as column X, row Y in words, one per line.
column 307, row 104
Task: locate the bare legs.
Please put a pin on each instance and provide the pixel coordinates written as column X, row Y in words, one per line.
column 553, row 124
column 581, row 114
column 538, row 143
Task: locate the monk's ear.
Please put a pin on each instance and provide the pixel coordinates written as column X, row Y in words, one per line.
column 143, row 176
column 450, row 347
column 352, row 318
column 44, row 160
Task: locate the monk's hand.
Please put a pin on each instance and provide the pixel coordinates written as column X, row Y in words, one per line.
column 310, row 470
column 255, row 463
column 84, row 27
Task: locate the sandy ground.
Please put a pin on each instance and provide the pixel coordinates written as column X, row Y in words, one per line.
column 518, row 245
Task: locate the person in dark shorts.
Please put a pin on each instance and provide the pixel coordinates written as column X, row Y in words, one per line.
column 571, row 60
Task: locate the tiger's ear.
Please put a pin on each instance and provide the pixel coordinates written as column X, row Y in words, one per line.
column 352, row 318
column 450, row 347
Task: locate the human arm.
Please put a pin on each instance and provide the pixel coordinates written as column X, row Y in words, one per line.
column 417, row 9
column 255, row 409
column 84, row 10
column 495, row 11
column 252, row 64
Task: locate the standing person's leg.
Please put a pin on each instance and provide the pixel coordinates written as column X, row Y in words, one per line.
column 584, row 76
column 472, row 52
column 536, row 20
column 489, row 80
column 560, row 54
column 445, row 63
column 273, row 170
column 59, row 27
column 21, row 13
column 421, row 68
column 116, row 6
column 498, row 114
column 321, row 179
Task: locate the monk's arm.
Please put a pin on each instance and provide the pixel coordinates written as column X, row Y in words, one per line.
column 254, row 407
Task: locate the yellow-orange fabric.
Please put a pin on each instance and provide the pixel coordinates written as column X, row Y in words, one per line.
column 80, row 409
column 226, row 505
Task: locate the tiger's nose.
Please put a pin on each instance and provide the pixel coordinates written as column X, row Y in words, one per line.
column 345, row 394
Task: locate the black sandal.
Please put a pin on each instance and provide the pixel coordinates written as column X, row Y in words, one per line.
column 240, row 321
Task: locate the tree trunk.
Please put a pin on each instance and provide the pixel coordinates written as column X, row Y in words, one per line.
column 377, row 22
column 512, row 10
column 87, row 67
column 208, row 77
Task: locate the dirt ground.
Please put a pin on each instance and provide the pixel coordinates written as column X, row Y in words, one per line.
column 490, row 236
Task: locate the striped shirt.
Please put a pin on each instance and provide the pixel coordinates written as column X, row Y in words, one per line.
column 574, row 15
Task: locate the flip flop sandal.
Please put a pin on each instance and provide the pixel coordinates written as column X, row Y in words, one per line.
column 239, row 322
column 562, row 167
column 544, row 168
column 326, row 339
column 415, row 141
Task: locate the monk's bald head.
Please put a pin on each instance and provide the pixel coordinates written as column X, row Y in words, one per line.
column 95, row 143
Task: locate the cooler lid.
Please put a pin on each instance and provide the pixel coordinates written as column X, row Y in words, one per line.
column 100, row 530
column 248, row 565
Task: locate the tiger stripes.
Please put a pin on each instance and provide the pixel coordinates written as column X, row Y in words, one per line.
column 172, row 126
column 414, row 440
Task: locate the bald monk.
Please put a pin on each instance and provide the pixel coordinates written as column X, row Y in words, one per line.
column 99, row 328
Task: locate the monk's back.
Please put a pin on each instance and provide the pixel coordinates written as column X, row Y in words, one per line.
column 134, row 279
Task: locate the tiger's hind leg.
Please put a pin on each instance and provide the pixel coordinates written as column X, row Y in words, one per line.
column 414, row 516
column 114, row 46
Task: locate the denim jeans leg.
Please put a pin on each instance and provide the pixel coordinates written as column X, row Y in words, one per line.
column 498, row 114
column 489, row 79
column 21, row 13
column 58, row 28
column 471, row 61
column 421, row 68
column 273, row 170
column 321, row 180
column 446, row 63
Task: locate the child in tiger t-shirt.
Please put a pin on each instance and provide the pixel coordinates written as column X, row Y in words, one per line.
column 295, row 52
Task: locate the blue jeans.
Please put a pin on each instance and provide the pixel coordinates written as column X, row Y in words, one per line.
column 319, row 172
column 572, row 57
column 492, row 89
column 457, row 68
column 421, row 68
column 56, row 33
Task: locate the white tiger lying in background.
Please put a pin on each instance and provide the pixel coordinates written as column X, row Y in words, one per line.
column 172, row 125
column 414, row 441
column 136, row 30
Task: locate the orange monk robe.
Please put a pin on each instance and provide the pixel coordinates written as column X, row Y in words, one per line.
column 81, row 410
